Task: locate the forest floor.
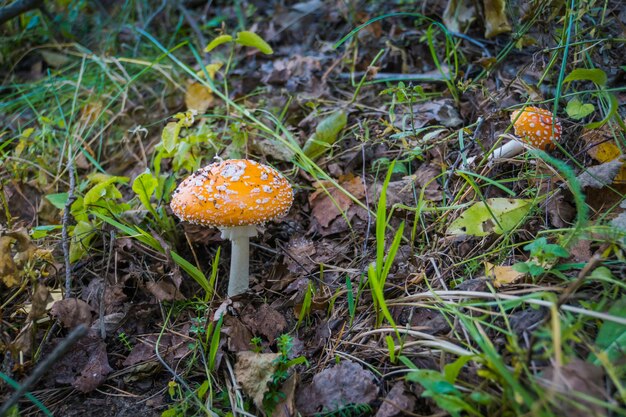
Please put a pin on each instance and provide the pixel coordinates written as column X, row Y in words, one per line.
column 412, row 275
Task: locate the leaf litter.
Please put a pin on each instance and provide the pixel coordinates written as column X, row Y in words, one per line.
column 321, row 250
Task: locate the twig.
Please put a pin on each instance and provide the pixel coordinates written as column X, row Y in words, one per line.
column 17, row 8
column 78, row 332
column 385, row 76
column 66, row 220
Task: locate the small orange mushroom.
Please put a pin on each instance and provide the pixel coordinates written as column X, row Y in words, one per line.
column 534, row 127
column 234, row 195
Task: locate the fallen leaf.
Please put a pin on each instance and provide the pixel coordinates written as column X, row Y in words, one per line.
column 238, row 335
column 85, row 366
column 8, row 270
column 287, row 407
column 398, row 402
column 54, row 59
column 298, row 255
column 325, row 134
column 458, row 15
column 253, row 371
column 171, row 348
column 198, row 97
column 334, row 388
column 496, row 21
column 601, row 147
column 71, row 312
column 599, row 176
column 328, row 202
column 164, row 290
column 264, row 321
column 580, row 377
column 478, row 220
column 502, row 275
column 16, row 250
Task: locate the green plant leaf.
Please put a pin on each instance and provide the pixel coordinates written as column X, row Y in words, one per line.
column 597, row 76
column 82, row 235
column 104, row 190
column 611, row 337
column 217, row 42
column 325, row 134
column 169, row 136
column 58, row 200
column 578, row 110
column 497, row 215
column 247, row 38
column 144, row 186
column 451, row 370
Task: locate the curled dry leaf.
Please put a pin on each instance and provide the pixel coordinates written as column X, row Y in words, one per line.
column 253, row 371
column 198, row 97
column 502, row 275
column 334, row 388
column 496, row 21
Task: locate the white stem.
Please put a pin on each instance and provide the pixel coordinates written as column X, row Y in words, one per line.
column 239, row 257
column 509, row 149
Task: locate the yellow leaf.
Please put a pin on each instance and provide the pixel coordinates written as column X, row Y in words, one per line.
column 211, row 69
column 502, row 275
column 198, row 97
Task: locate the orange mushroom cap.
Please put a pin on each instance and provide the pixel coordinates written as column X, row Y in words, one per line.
column 536, row 127
column 235, row 192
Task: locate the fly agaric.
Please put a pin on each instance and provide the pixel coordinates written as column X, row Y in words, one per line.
column 535, row 128
column 234, row 195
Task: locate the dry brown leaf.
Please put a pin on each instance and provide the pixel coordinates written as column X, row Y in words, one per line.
column 398, row 402
column 198, row 97
column 328, row 203
column 238, row 335
column 8, row 270
column 287, row 406
column 502, row 275
column 580, row 377
column 171, row 348
column 164, row 290
column 300, row 251
column 85, row 366
column 264, row 321
column 496, row 21
column 16, row 250
column 253, row 371
column 71, row 312
column 334, row 388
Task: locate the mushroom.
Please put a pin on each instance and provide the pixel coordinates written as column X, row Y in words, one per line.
column 534, row 127
column 234, row 195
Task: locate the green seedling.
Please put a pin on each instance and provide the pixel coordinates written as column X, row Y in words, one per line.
column 273, row 396
column 378, row 271
column 543, row 256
